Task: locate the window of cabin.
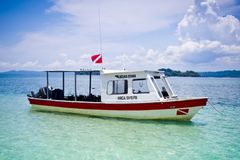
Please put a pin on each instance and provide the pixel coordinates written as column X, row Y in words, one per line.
column 117, row 87
column 140, row 86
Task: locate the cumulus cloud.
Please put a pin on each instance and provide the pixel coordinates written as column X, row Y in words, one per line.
column 203, row 22
column 205, row 37
column 207, row 40
column 139, row 58
column 201, row 51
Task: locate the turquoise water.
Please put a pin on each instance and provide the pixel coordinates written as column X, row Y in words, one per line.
column 26, row 134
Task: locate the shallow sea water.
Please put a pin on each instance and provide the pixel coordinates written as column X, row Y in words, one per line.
column 27, row 134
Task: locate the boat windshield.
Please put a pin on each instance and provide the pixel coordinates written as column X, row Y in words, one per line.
column 156, row 86
column 165, row 87
column 160, row 83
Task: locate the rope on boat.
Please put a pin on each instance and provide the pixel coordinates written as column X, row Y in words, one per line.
column 215, row 109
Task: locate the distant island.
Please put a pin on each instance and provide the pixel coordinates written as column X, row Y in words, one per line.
column 168, row 72
column 227, row 73
column 22, row 73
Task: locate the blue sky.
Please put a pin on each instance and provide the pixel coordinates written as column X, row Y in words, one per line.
column 200, row 35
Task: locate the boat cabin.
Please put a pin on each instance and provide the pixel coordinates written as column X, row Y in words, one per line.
column 134, row 86
column 120, row 86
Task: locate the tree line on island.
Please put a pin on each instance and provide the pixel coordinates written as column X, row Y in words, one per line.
column 228, row 73
column 168, row 72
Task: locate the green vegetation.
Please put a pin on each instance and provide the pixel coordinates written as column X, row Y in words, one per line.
column 170, row 72
column 227, row 73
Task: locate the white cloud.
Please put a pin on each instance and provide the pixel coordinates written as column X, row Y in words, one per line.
column 190, row 55
column 55, row 65
column 30, row 64
column 201, row 51
column 206, row 37
column 203, row 22
column 77, row 37
column 120, row 17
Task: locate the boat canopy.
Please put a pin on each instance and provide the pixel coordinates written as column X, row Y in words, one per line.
column 80, row 72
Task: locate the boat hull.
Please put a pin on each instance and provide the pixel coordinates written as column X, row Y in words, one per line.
column 170, row 110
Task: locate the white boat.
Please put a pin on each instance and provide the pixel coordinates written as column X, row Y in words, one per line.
column 124, row 94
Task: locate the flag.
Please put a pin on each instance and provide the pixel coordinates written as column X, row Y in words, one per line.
column 182, row 111
column 97, row 58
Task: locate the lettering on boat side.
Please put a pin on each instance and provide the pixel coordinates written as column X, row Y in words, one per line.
column 126, row 76
column 127, row 97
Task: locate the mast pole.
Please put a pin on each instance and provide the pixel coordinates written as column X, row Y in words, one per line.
column 100, row 35
column 100, row 31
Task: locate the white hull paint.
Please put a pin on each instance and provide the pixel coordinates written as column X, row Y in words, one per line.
column 164, row 114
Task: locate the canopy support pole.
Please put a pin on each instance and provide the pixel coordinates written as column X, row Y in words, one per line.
column 47, row 86
column 63, row 83
column 75, row 85
column 90, row 83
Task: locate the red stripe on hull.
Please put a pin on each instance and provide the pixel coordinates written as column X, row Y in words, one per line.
column 123, row 106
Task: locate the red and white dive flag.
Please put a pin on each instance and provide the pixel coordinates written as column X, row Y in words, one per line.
column 97, row 58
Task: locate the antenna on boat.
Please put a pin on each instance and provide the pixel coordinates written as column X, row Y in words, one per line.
column 100, row 31
column 100, row 34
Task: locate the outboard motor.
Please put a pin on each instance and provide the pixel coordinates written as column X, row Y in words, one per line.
column 42, row 93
